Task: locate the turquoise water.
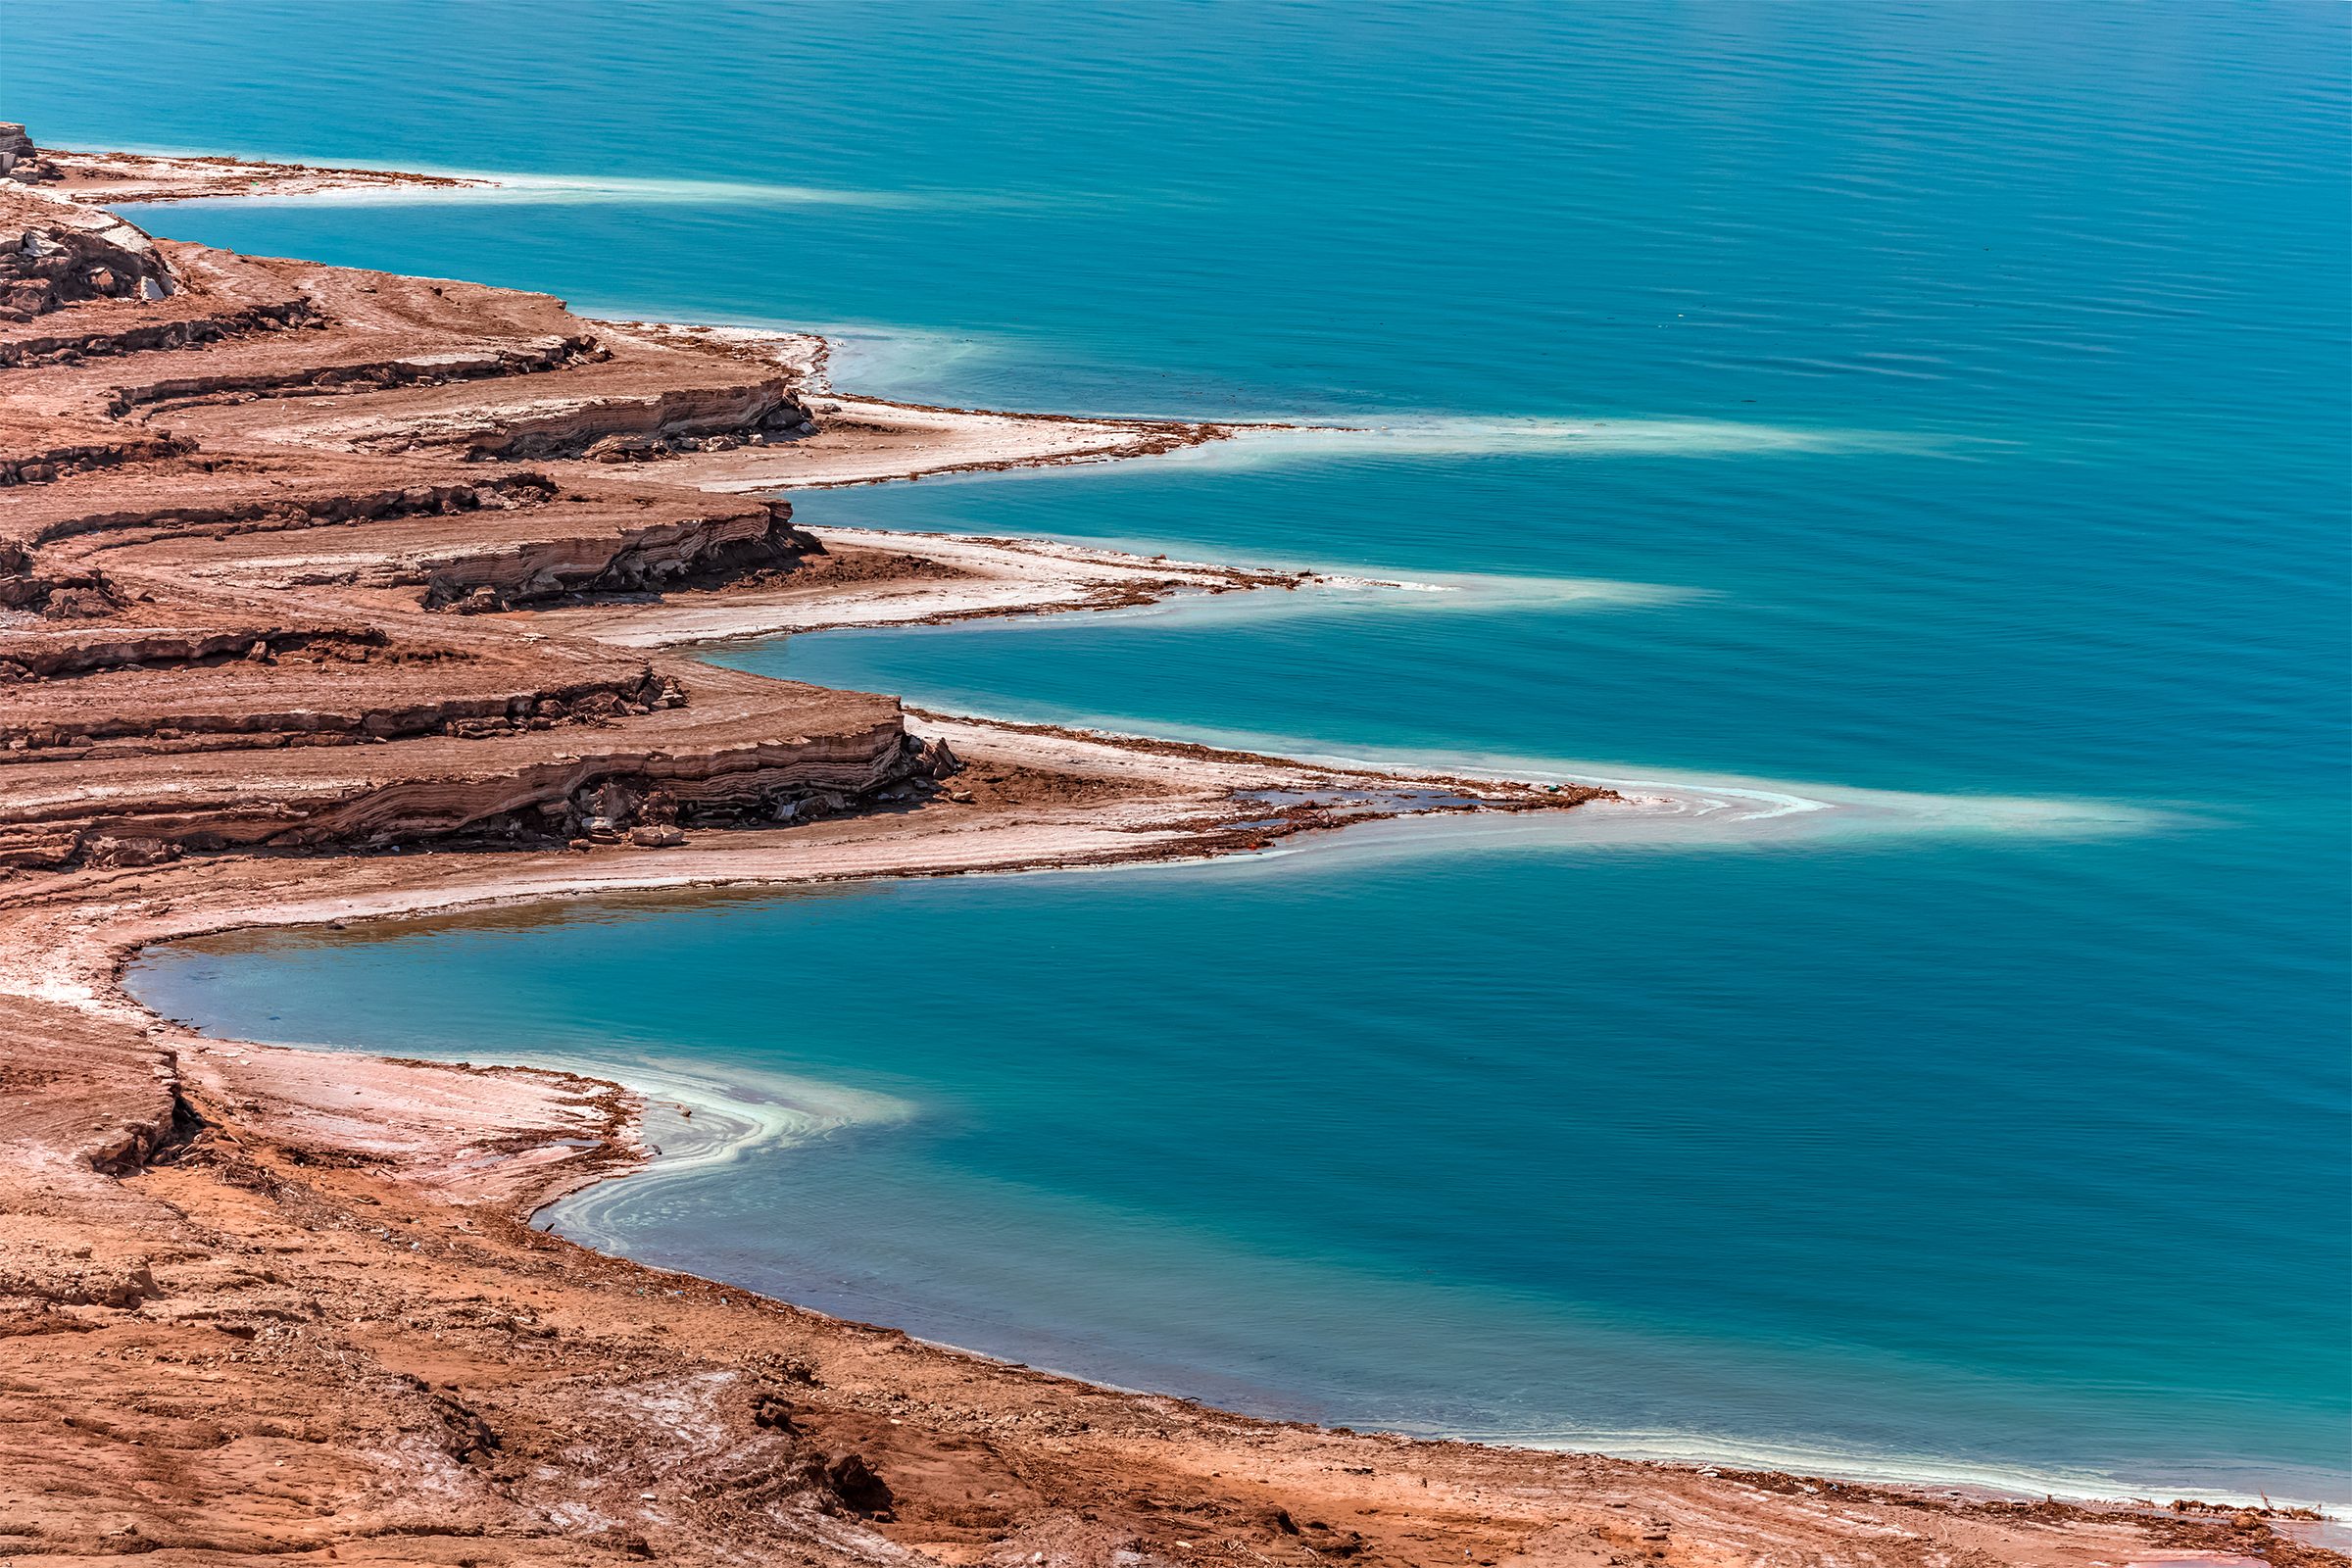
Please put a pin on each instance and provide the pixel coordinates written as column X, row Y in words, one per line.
column 1947, row 402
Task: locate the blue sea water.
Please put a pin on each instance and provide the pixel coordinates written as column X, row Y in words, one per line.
column 1936, row 400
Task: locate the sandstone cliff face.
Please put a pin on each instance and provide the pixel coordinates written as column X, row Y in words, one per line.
column 266, row 529
column 527, row 786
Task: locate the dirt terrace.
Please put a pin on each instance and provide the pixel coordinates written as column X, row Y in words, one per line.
column 252, row 507
column 278, row 511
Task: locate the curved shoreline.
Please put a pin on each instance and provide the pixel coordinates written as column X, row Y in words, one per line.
column 192, row 1130
column 736, row 1114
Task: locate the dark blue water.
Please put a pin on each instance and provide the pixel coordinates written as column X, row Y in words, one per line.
column 1966, row 389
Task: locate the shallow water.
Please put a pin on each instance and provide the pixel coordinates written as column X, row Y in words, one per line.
column 1940, row 407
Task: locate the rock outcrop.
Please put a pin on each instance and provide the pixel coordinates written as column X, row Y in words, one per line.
column 20, row 160
column 55, row 252
column 266, row 528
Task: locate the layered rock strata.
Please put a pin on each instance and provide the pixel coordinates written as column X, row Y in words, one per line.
column 251, row 511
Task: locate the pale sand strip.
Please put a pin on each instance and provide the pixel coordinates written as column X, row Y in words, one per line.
column 907, row 441
column 980, row 577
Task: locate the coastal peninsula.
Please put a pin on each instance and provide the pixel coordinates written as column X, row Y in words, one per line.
column 333, row 595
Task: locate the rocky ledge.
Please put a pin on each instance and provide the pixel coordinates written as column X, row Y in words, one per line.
column 253, row 514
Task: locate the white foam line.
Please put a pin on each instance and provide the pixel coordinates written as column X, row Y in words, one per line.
column 567, row 189
column 697, row 1120
column 1667, row 808
column 548, row 190
column 1370, row 588
column 1330, row 588
column 1907, row 1469
column 1348, row 593
column 509, row 187
column 1468, row 435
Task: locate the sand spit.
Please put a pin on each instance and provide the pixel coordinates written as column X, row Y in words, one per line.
column 330, row 595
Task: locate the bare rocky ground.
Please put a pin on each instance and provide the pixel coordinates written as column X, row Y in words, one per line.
column 329, row 594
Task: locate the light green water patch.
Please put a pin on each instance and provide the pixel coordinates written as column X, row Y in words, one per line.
column 1439, row 435
column 703, row 1114
column 1359, row 591
column 1668, row 806
column 500, row 187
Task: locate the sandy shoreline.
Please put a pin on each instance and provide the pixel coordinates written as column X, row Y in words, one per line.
column 270, row 1301
column 973, row 577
